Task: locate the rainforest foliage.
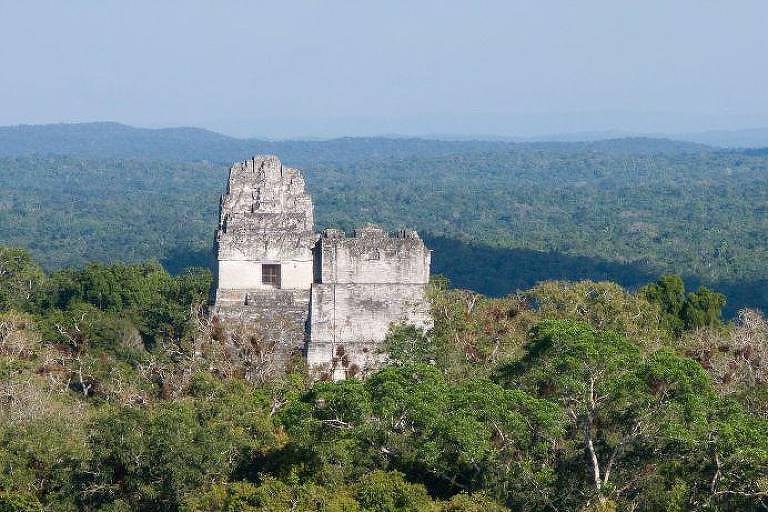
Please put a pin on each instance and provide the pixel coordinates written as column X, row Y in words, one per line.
column 578, row 396
column 580, row 380
column 499, row 216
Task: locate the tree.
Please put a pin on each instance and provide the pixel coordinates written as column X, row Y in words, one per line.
column 380, row 491
column 156, row 302
column 702, row 308
column 153, row 457
column 472, row 333
column 271, row 495
column 604, row 305
column 669, row 293
column 16, row 502
column 20, row 278
column 734, row 473
column 623, row 406
column 737, row 358
column 463, row 502
column 453, row 437
column 43, row 444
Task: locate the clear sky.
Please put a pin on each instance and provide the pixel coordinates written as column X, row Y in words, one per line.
column 327, row 68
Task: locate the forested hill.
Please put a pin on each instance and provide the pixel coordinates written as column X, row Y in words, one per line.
column 120, row 394
column 498, row 221
column 114, row 140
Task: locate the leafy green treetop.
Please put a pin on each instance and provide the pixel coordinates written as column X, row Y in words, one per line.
column 619, row 401
column 685, row 311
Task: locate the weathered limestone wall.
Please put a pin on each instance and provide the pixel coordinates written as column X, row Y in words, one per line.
column 266, row 217
column 275, row 320
column 246, row 275
column 349, row 322
column 371, row 256
column 337, row 296
column 367, row 282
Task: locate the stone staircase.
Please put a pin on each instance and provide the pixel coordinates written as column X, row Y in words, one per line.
column 280, row 316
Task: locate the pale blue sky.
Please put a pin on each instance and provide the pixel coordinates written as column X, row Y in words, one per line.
column 327, row 68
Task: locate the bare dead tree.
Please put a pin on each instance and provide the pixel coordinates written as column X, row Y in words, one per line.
column 736, row 359
column 78, row 363
column 18, row 338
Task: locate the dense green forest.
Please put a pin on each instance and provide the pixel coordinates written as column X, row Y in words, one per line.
column 570, row 396
column 499, row 218
column 578, row 379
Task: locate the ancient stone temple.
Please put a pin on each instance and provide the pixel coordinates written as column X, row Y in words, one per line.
column 329, row 297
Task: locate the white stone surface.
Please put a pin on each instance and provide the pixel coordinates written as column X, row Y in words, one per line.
column 355, row 318
column 339, row 295
column 372, row 256
column 246, row 275
column 266, row 217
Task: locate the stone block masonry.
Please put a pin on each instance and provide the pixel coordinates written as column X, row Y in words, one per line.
column 366, row 283
column 331, row 297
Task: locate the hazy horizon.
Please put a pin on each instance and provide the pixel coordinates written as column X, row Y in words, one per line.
column 311, row 69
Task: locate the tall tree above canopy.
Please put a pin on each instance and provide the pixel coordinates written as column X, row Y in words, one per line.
column 624, row 407
column 685, row 311
column 20, row 277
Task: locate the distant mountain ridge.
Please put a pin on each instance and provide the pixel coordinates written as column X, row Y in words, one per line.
column 747, row 138
column 115, row 140
column 744, row 138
